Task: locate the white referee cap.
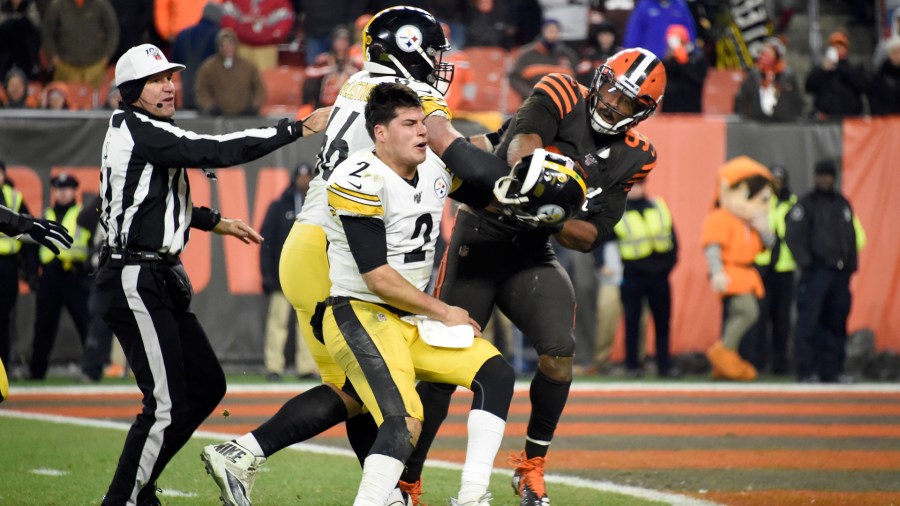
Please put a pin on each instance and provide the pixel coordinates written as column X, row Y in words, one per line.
column 143, row 61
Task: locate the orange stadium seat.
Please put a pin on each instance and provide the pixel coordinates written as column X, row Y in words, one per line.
column 284, row 89
column 81, row 96
column 488, row 67
column 719, row 90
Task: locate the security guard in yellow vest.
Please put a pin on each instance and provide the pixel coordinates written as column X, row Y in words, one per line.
column 64, row 279
column 766, row 344
column 9, row 262
column 649, row 251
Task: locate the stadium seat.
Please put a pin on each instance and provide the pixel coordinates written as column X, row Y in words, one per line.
column 719, row 90
column 488, row 67
column 81, row 96
column 284, row 86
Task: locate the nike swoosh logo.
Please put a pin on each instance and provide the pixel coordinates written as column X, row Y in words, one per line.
column 357, row 186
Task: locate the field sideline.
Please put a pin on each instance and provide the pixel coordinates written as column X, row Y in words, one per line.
column 665, row 443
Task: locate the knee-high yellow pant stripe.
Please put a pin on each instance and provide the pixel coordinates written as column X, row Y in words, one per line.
column 304, row 279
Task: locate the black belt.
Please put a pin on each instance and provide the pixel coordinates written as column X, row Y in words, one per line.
column 115, row 257
column 331, row 301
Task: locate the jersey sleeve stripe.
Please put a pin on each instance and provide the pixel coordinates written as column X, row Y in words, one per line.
column 455, row 183
column 561, row 91
column 553, row 95
column 357, row 194
column 567, row 86
column 346, row 205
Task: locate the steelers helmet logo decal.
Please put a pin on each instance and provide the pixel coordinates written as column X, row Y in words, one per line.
column 409, row 38
column 551, row 214
column 440, row 188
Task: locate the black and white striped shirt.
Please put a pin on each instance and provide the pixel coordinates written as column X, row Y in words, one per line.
column 144, row 185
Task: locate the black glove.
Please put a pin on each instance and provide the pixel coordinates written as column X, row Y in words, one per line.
column 591, row 206
column 46, row 233
column 294, row 127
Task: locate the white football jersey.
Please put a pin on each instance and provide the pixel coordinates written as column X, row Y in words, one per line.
column 345, row 134
column 363, row 186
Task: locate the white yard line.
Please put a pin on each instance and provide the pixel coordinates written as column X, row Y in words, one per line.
column 603, row 486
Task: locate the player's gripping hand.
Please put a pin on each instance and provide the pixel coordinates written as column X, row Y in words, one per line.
column 435, row 104
column 44, row 232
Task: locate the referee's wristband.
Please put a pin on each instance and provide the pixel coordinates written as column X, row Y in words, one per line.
column 204, row 218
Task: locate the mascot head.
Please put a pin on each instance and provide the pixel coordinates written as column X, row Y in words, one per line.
column 745, row 187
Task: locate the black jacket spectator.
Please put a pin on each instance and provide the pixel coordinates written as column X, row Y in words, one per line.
column 20, row 37
column 135, row 24
column 836, row 84
column 488, row 25
column 820, row 228
column 685, row 72
column 884, row 90
column 789, row 97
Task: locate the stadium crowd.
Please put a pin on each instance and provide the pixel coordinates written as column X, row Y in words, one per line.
column 291, row 56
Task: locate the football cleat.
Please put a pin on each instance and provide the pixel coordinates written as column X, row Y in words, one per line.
column 412, row 492
column 484, row 500
column 233, row 467
column 528, row 480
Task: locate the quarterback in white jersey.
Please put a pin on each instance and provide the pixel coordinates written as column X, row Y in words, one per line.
column 363, row 186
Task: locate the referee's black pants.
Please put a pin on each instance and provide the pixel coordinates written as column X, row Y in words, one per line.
column 58, row 287
column 173, row 363
column 9, row 292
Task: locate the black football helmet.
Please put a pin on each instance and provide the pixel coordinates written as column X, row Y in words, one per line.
column 543, row 189
column 407, row 42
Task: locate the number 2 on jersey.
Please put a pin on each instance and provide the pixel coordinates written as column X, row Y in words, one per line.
column 418, row 254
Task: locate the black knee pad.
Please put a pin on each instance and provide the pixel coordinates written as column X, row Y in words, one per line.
column 493, row 387
column 394, row 439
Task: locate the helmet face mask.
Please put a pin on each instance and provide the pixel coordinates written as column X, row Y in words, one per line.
column 543, row 189
column 626, row 90
column 409, row 43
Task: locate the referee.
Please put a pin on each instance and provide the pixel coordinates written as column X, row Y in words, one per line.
column 143, row 291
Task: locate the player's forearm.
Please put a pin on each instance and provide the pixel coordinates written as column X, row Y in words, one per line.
column 521, row 146
column 441, row 133
column 394, row 289
column 577, row 235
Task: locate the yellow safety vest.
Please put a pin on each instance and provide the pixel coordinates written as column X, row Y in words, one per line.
column 12, row 199
column 642, row 233
column 81, row 237
column 861, row 239
column 778, row 211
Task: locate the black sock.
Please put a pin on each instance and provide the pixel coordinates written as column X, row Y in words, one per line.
column 548, row 398
column 435, row 403
column 361, row 432
column 306, row 415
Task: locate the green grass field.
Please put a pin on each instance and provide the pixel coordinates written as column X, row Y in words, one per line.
column 46, row 463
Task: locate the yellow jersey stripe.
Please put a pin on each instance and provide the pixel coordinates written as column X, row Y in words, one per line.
column 353, row 207
column 357, row 194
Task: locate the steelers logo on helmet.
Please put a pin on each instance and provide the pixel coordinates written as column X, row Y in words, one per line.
column 551, row 214
column 409, row 38
column 407, row 42
column 543, row 189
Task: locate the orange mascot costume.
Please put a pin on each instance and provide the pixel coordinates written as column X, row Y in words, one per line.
column 733, row 233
